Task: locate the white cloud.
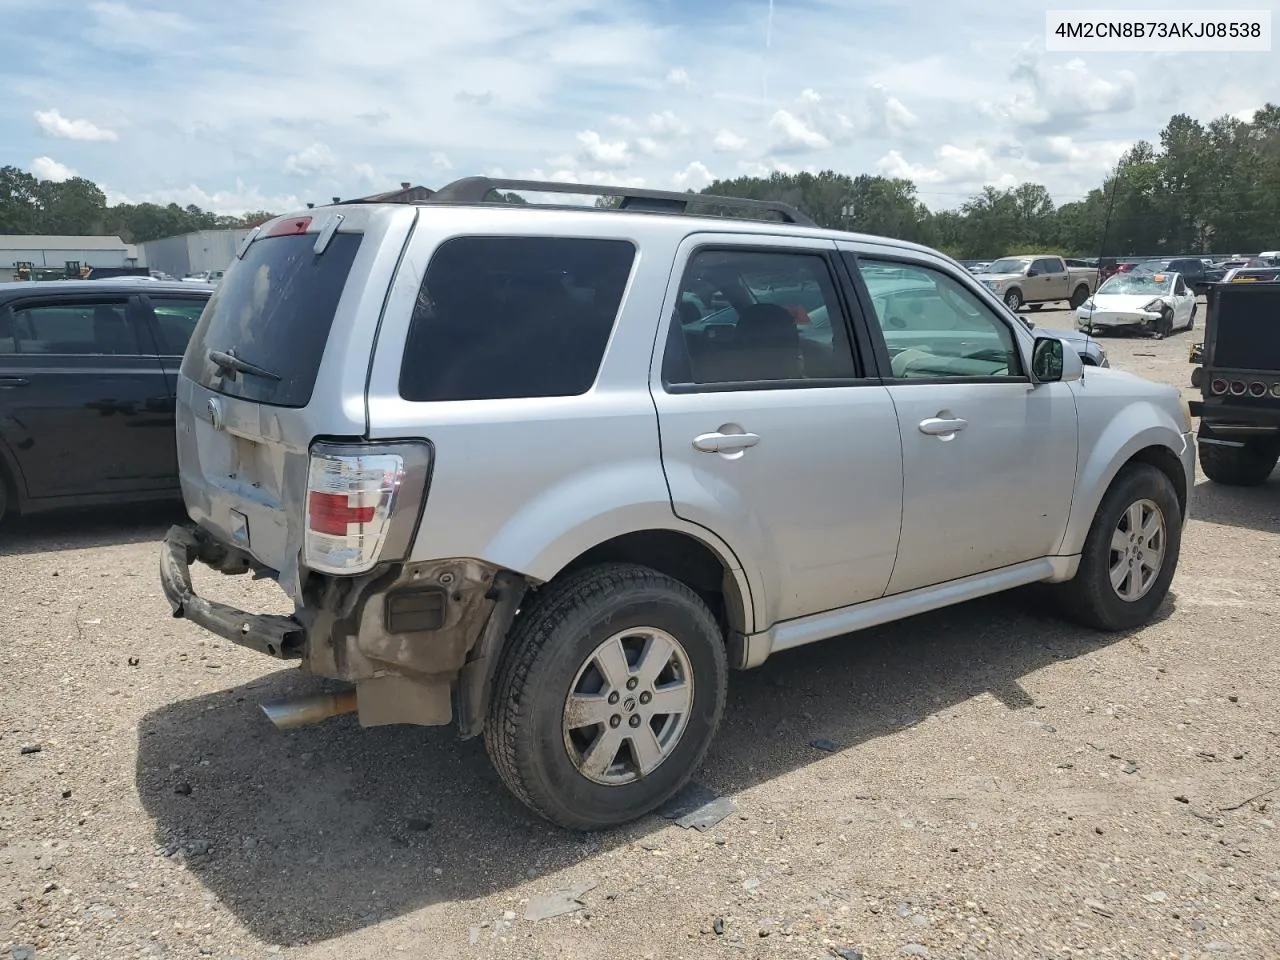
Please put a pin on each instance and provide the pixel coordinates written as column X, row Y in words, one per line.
column 47, row 168
column 810, row 96
column 897, row 117
column 678, row 77
column 666, row 124
column 317, row 158
column 648, row 146
column 365, row 173
column 726, row 141
column 1053, row 99
column 55, row 124
column 441, row 162
column 794, row 134
column 693, row 177
column 242, row 199
column 607, row 153
column 951, row 165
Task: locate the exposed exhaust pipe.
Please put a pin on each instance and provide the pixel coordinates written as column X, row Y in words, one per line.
column 288, row 714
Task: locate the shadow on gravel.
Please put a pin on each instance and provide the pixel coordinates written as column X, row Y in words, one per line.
column 318, row 832
column 1252, row 508
column 81, row 529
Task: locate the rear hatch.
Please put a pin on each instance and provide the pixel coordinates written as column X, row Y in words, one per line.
column 280, row 357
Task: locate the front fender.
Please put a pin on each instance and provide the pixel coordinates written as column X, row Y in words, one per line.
column 590, row 508
column 1135, row 427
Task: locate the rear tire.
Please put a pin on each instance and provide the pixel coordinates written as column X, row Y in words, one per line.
column 1079, row 296
column 1117, row 543
column 1247, row 466
column 559, row 653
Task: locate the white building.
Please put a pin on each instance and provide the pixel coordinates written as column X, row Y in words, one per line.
column 59, row 251
column 199, row 252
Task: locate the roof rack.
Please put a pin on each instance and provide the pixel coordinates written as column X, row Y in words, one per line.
column 478, row 189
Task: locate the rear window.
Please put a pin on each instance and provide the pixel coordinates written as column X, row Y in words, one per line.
column 507, row 317
column 273, row 310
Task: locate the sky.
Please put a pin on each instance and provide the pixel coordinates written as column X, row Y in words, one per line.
column 268, row 104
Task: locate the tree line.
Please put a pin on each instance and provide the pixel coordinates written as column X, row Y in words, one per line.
column 78, row 207
column 1203, row 188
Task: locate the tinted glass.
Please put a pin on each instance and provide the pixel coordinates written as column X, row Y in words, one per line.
column 935, row 327
column 67, row 327
column 1045, row 265
column 274, row 309
column 175, row 322
column 747, row 317
column 505, row 317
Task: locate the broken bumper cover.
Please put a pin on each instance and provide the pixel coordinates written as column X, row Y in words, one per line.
column 272, row 634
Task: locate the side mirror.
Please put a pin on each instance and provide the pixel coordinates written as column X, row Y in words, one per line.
column 1032, row 272
column 1055, row 361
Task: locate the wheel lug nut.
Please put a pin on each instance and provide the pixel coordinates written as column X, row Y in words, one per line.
column 646, row 697
column 635, row 720
column 615, row 720
column 613, row 698
column 632, row 683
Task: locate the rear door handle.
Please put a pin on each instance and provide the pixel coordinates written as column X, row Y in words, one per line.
column 14, row 381
column 724, row 442
column 938, row 427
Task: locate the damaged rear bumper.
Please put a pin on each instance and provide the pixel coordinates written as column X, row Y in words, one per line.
column 421, row 641
column 275, row 635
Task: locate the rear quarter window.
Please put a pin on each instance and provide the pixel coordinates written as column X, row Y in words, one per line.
column 508, row 317
column 273, row 309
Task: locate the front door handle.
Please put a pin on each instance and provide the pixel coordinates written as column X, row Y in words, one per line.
column 724, row 442
column 14, row 381
column 939, row 427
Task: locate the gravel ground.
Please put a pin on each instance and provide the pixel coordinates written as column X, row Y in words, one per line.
column 988, row 782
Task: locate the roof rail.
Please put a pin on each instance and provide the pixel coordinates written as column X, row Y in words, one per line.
column 478, row 189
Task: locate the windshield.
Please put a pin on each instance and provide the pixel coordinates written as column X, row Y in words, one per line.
column 1152, row 284
column 1008, row 265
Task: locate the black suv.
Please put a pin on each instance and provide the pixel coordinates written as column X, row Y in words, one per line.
column 87, row 376
column 1195, row 272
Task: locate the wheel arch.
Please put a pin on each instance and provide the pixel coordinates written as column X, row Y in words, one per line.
column 1157, row 445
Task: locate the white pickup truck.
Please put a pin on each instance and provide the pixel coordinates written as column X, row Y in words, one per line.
column 1036, row 280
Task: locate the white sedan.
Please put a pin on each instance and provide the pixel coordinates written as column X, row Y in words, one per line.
column 1157, row 303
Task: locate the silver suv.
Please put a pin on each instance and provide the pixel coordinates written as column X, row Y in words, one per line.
column 547, row 473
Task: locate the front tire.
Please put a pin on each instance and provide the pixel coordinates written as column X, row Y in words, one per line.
column 1246, row 466
column 610, row 692
column 1013, row 300
column 1130, row 554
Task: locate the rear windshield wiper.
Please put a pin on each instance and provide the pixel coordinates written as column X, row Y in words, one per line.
column 229, row 363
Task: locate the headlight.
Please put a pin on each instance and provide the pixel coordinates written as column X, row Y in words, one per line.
column 1089, row 305
column 1155, row 306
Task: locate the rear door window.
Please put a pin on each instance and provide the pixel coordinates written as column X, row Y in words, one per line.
column 101, row 327
column 506, row 317
column 176, row 319
column 273, row 309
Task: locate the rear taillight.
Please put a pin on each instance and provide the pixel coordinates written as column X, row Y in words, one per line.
column 1257, row 389
column 1219, row 387
column 1238, row 388
column 363, row 504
